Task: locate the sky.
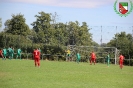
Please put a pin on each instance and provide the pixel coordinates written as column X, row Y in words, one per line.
column 99, row 15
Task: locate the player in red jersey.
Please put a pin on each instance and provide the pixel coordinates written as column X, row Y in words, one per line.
column 93, row 58
column 121, row 59
column 36, row 56
column 1, row 53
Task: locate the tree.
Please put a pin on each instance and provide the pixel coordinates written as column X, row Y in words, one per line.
column 124, row 43
column 61, row 34
column 15, row 32
column 17, row 25
column 54, row 18
column 42, row 26
column 86, row 36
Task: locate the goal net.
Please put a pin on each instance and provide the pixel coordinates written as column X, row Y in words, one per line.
column 101, row 53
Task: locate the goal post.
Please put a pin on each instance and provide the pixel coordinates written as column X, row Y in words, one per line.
column 101, row 53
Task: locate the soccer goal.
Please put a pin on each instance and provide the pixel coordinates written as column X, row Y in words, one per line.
column 101, row 53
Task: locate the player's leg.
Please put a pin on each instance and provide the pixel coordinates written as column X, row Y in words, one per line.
column 35, row 61
column 77, row 60
column 120, row 64
column 4, row 56
column 12, row 55
column 108, row 63
column 38, row 62
column 94, row 60
column 17, row 56
column 67, row 57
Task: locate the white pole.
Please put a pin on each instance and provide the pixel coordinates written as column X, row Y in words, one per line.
column 101, row 35
column 115, row 55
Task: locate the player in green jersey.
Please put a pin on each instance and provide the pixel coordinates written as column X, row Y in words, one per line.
column 10, row 53
column 4, row 53
column 108, row 59
column 18, row 53
column 78, row 57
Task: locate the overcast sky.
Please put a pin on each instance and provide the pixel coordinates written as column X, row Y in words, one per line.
column 96, row 13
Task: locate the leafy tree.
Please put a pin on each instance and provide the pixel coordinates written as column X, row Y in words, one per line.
column 86, row 36
column 17, row 25
column 73, row 30
column 79, row 35
column 15, row 33
column 60, row 34
column 124, row 43
column 42, row 26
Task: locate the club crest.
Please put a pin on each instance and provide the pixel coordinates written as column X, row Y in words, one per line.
column 124, row 9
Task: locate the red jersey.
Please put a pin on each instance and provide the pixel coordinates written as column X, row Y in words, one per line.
column 36, row 53
column 93, row 55
column 121, row 57
column 1, row 52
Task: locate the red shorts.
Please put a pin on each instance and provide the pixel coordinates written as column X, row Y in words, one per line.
column 121, row 62
column 36, row 57
column 93, row 59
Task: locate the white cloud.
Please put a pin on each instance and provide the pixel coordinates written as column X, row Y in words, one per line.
column 66, row 3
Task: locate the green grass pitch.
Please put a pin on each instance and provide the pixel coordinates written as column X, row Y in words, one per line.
column 54, row 74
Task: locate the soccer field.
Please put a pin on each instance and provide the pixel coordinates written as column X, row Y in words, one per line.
column 54, row 74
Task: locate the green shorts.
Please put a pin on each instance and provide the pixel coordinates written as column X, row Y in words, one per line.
column 18, row 54
column 4, row 54
column 68, row 55
column 78, row 58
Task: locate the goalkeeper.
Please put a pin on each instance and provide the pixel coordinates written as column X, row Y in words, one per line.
column 68, row 54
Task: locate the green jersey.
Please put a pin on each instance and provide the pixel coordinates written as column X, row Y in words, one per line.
column 19, row 51
column 108, row 57
column 78, row 56
column 10, row 51
column 4, row 51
